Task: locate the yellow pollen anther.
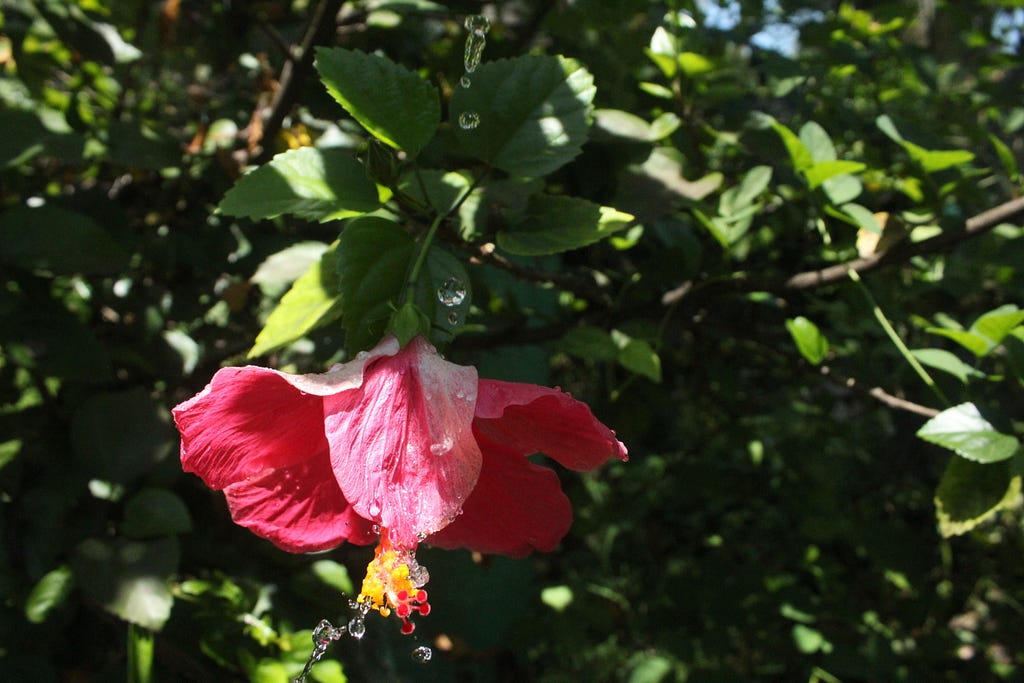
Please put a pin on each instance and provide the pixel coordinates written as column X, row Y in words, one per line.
column 394, row 583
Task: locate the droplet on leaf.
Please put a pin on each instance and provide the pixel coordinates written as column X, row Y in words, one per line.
column 452, row 292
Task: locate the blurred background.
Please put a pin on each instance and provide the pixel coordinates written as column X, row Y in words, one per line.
column 779, row 518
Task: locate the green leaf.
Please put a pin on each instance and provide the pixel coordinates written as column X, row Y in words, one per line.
column 590, row 343
column 315, row 184
column 334, row 575
column 963, row 430
column 998, row 323
column 810, row 640
column 151, row 513
column 817, row 142
column 50, row 593
column 940, row 359
column 622, row 124
column 809, row 340
column 122, row 435
column 862, row 217
column 826, row 170
column 313, row 301
column 442, row 188
column 553, row 224
column 394, row 104
column 750, row 188
column 636, row 355
column 373, row 258
column 58, row 241
column 970, row 492
column 557, row 597
column 799, row 155
column 24, row 137
column 931, row 160
column 977, row 344
column 987, row 332
column 289, row 264
column 694, row 64
column 129, row 579
column 535, row 112
column 443, row 271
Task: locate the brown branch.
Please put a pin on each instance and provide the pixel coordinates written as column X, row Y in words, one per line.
column 322, row 23
column 879, row 394
column 905, row 250
column 580, row 286
column 901, row 252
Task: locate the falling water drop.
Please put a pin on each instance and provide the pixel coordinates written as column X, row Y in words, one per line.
column 357, row 627
column 476, row 40
column 469, row 119
column 452, row 292
column 422, row 654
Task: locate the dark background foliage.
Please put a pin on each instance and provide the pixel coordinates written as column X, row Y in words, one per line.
column 778, row 518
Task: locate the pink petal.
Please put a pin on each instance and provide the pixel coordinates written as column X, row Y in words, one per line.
column 534, row 419
column 246, row 422
column 516, row 507
column 299, row 508
column 402, row 446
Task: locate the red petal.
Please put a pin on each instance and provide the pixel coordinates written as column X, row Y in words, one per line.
column 402, row 445
column 246, row 422
column 534, row 419
column 515, row 508
column 299, row 508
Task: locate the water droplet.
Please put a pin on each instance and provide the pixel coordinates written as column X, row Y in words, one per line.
column 460, row 394
column 452, row 291
column 422, row 654
column 362, row 355
column 376, row 528
column 453, row 318
column 357, row 627
column 465, row 82
column 445, row 444
column 475, row 41
column 374, row 509
column 477, row 24
column 419, row 574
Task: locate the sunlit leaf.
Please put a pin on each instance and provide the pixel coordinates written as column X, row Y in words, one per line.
column 129, row 579
column 394, row 104
column 637, row 355
column 972, row 492
column 940, row 359
column 313, row 301
column 49, row 594
column 809, row 340
column 534, row 113
column 554, row 224
column 316, row 184
column 963, row 429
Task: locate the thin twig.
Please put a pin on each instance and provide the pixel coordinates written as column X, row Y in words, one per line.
column 579, row 286
column 905, row 250
column 298, row 64
column 900, row 253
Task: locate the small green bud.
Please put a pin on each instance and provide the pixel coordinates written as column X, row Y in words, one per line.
column 408, row 322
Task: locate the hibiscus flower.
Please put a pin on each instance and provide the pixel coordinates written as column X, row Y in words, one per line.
column 398, row 445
